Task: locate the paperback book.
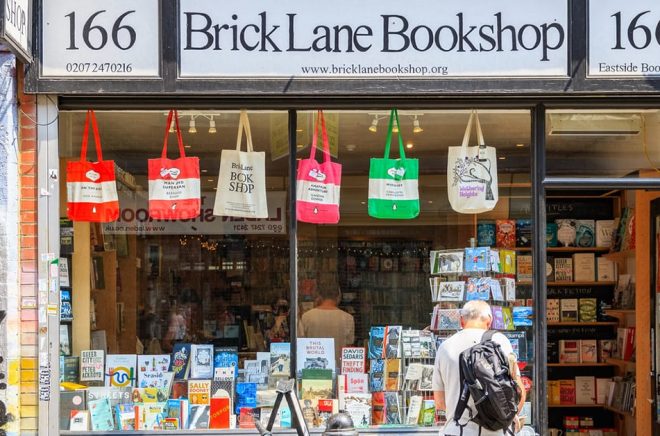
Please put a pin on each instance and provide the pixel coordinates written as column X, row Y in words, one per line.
column 120, row 370
column 280, row 359
column 180, row 361
column 392, row 346
column 505, row 233
column 377, row 375
column 315, row 353
column 91, row 366
column 201, row 361
column 353, row 359
column 376, row 340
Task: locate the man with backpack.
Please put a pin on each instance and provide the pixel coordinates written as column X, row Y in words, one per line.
column 477, row 366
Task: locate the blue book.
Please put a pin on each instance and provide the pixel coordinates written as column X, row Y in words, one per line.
column 180, row 361
column 226, row 357
column 478, row 289
column 551, row 235
column 376, row 339
column 477, row 259
column 521, row 316
column 101, row 415
column 125, row 416
column 486, row 234
column 523, row 233
column 246, row 396
column 377, row 375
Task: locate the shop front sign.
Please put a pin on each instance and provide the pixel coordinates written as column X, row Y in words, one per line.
column 16, row 30
column 372, row 38
column 624, row 38
column 134, row 218
column 100, row 39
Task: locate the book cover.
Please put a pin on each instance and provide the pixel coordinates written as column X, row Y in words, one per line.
column 120, row 370
column 602, row 388
column 553, row 392
column 376, row 340
column 199, row 392
column 450, row 291
column 426, row 380
column 495, row 264
column 524, row 268
column 477, row 259
column 495, row 289
column 498, row 319
column 179, row 410
column 392, row 345
column 114, row 395
column 569, row 309
column 125, row 416
column 326, row 408
column 353, row 359
column 414, row 409
column 247, row 417
column 486, row 234
column 584, row 267
column 566, row 232
column 449, row 319
column 522, row 316
column 604, row 231
column 552, row 310
column 588, row 351
column 588, row 308
column 219, row 412
column 101, row 415
column 358, row 406
column 629, row 347
column 246, row 396
column 569, row 351
column 478, row 288
column 180, row 361
column 605, row 270
column 606, row 349
column 508, row 262
column 392, row 408
column 66, row 309
column 69, row 369
column 226, row 357
column 413, row 376
column 280, row 359
column 505, row 236
column 585, row 233
column 518, row 341
column 427, row 345
column 428, row 413
column 509, row 286
column 92, row 364
column 147, row 395
column 179, row 389
column 553, row 351
column 199, row 417
column 316, row 384
column 201, row 361
column 223, row 387
column 156, row 379
column 378, row 408
column 70, row 401
column 563, row 269
column 585, row 390
column 352, row 383
column 621, row 334
column 447, row 262
column 377, row 375
column 507, row 317
column 79, row 420
column 566, row 392
column 551, row 235
column 523, row 233
column 550, row 269
column 316, row 353
column 392, row 374
column 153, row 416
column 628, row 242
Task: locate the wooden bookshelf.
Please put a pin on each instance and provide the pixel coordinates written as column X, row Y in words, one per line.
column 578, row 249
column 568, row 365
column 561, row 406
column 619, row 256
column 620, row 362
column 620, row 412
column 619, row 312
column 583, row 324
column 527, row 283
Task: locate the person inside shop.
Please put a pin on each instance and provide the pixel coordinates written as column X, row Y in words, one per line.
column 278, row 330
column 176, row 330
column 476, row 319
column 327, row 320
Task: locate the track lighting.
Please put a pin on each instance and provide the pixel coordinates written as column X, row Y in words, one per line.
column 416, row 127
column 212, row 128
column 191, row 126
column 374, row 125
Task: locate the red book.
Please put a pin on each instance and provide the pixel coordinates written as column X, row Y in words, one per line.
column 378, row 408
column 566, row 392
column 505, row 235
column 629, row 347
column 179, row 389
column 247, row 417
column 220, row 413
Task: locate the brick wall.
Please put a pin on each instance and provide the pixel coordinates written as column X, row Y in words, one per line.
column 28, row 259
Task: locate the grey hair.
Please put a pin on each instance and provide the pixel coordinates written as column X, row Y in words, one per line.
column 476, row 309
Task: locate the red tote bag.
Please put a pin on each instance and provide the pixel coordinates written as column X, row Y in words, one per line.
column 91, row 186
column 318, row 184
column 174, row 186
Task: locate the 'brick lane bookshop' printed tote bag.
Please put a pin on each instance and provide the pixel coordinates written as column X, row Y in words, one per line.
column 241, row 188
column 472, row 173
column 318, row 183
column 174, row 185
column 91, row 186
column 393, row 183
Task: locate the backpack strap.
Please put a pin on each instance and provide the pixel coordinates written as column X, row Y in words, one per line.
column 488, row 335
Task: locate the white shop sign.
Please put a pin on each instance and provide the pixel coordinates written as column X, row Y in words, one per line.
column 134, row 218
column 624, row 38
column 17, row 26
column 100, row 38
column 373, row 38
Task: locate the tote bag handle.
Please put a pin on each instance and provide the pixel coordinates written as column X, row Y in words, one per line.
column 320, row 119
column 244, row 124
column 91, row 117
column 394, row 115
column 468, row 131
column 173, row 114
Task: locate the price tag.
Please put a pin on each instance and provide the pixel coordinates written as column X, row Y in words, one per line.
column 100, row 39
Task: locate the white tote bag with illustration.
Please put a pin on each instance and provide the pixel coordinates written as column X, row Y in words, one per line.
column 241, row 188
column 472, row 173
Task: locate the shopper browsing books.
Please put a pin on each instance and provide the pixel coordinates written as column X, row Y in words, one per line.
column 327, row 320
column 476, row 320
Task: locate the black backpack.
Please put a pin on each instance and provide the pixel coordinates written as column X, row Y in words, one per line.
column 485, row 376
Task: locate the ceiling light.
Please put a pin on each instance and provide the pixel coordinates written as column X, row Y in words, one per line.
column 409, row 145
column 299, row 130
column 374, row 125
column 300, row 146
column 395, row 128
column 212, row 128
column 351, row 147
column 205, row 171
column 520, row 145
column 191, row 126
column 416, row 127
column 187, row 146
column 502, row 157
column 172, row 127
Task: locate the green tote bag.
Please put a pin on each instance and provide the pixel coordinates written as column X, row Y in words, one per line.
column 393, row 183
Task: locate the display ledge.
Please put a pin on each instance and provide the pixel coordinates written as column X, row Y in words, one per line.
column 566, row 249
column 582, row 324
column 561, row 406
column 528, row 283
column 559, row 365
column 247, row 431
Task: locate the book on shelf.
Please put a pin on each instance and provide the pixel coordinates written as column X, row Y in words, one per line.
column 392, row 346
column 553, row 351
column 392, row 374
column 606, row 349
column 585, row 233
column 70, row 401
column 551, row 235
column 552, row 310
column 352, row 383
column 550, row 268
column 605, row 270
column 69, row 369
column 507, row 317
column 376, row 340
column 199, row 416
column 508, row 262
column 566, row 232
column 180, row 362
column 569, row 351
column 505, row 233
column 602, row 388
column 624, row 292
column 427, row 416
column 353, row 359
column 414, row 410
column 120, row 370
column 584, row 267
column 588, row 350
column 498, row 319
column 477, row 259
column 316, row 384
column 524, row 268
column 378, row 408
column 125, row 416
column 316, row 353
column 486, row 234
column 567, row 392
column 509, row 286
column 219, row 413
column 523, row 233
column 326, row 408
column 522, row 316
column 553, row 392
column 246, row 396
column 358, row 406
column 79, row 420
column 377, row 375
column 226, row 357
column 280, row 359
column 518, row 340
column 178, row 409
column 92, row 364
column 199, row 391
column 563, row 269
column 604, row 231
column 201, row 361
column 585, row 390
column 569, row 309
column 392, row 408
column 101, row 415
column 588, row 309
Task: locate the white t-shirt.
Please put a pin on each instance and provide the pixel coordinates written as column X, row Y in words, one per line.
column 447, row 377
